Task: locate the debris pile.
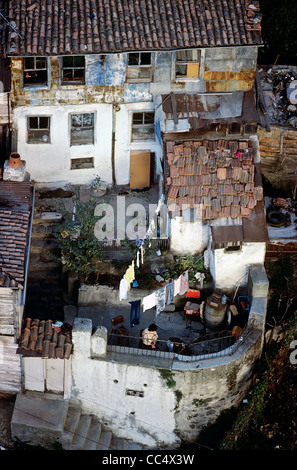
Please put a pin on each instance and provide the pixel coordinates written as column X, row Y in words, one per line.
column 279, row 84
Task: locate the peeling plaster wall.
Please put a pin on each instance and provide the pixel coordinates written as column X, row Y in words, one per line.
column 221, row 69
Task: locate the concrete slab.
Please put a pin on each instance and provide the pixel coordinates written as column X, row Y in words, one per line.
column 38, row 412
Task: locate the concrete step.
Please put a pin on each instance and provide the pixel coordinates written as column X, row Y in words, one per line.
column 43, row 419
column 105, row 441
column 82, row 431
column 93, row 436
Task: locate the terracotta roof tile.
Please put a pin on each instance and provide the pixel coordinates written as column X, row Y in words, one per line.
column 223, row 186
column 14, row 232
column 45, row 338
column 54, row 27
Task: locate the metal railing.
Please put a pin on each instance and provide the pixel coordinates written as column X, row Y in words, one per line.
column 218, row 344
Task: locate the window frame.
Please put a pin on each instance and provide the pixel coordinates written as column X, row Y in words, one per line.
column 35, row 69
column 72, row 69
column 143, row 125
column 139, row 68
column 195, row 61
column 73, row 143
column 40, row 129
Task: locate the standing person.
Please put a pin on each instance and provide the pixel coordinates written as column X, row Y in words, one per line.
column 150, row 336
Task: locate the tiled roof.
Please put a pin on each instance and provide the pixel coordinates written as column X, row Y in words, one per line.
column 15, row 200
column 52, row 27
column 42, row 338
column 216, row 177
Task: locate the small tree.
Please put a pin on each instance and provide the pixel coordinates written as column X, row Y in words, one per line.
column 81, row 250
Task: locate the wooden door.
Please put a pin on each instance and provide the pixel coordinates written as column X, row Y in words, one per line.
column 140, row 169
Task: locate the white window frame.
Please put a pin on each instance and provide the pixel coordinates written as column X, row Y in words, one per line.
column 72, row 69
column 73, row 143
column 143, row 125
column 139, row 73
column 36, row 69
column 184, row 62
column 46, row 131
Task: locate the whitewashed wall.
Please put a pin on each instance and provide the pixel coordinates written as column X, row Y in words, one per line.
column 50, row 163
column 188, row 237
column 230, row 268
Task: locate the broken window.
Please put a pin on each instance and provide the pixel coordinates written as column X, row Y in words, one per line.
column 38, row 130
column 82, row 163
column 187, row 64
column 73, row 70
column 143, row 126
column 139, row 67
column 82, row 129
column 35, row 71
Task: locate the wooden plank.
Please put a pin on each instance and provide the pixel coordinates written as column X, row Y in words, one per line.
column 10, row 365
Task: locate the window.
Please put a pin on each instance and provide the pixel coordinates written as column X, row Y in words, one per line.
column 82, row 163
column 139, row 67
column 73, row 69
column 38, row 130
column 35, row 71
column 143, row 126
column 187, row 64
column 82, row 129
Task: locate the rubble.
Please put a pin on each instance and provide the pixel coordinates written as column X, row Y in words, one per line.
column 279, row 84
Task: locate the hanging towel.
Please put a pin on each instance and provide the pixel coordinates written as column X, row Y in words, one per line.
column 170, row 293
column 176, row 286
column 184, row 283
column 160, row 300
column 149, row 301
column 123, row 289
column 134, row 313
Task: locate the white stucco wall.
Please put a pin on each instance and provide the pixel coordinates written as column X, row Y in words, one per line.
column 123, row 144
column 50, row 162
column 164, row 414
column 228, row 269
column 188, row 237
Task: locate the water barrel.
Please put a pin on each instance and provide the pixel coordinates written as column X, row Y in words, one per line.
column 214, row 316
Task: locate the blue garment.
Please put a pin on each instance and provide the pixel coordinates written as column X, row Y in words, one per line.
column 134, row 313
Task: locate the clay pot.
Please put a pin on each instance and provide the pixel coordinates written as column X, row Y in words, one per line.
column 14, row 160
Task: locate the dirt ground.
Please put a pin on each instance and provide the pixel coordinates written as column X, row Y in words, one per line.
column 6, row 410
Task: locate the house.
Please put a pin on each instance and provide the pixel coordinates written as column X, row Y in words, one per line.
column 103, row 95
column 141, row 94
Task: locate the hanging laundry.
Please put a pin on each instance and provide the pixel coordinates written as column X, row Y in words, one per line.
column 184, row 283
column 137, row 258
column 134, row 313
column 149, row 301
column 170, row 293
column 130, row 274
column 123, row 289
column 176, row 286
column 160, row 300
column 142, row 254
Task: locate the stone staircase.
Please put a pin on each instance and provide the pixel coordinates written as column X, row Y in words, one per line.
column 45, row 297
column 45, row 420
column 84, row 432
